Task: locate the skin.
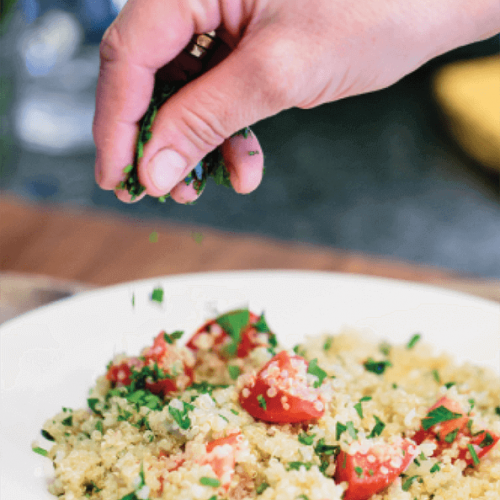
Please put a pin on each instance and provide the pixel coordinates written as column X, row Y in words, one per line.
column 275, row 55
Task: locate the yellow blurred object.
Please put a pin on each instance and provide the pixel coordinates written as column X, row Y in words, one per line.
column 468, row 93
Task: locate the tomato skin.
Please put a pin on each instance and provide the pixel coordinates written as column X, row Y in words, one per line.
column 438, row 433
column 120, row 374
column 295, row 409
column 166, row 386
column 362, row 487
column 248, row 340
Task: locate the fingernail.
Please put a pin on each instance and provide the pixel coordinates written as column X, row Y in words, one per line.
column 166, row 169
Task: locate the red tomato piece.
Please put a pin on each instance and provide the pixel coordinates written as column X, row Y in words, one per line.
column 370, row 471
column 157, row 351
column 461, row 434
column 221, row 456
column 211, row 336
column 120, row 374
column 280, row 392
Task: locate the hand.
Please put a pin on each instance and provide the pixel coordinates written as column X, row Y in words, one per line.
column 276, row 55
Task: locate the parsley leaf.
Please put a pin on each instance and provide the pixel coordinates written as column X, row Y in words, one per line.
column 181, row 416
column 233, row 323
column 315, row 370
column 47, row 435
column 407, row 484
column 157, row 295
column 306, row 438
column 377, row 367
column 377, row 428
column 262, row 401
column 413, row 341
column 261, row 488
column 487, row 441
column 170, row 339
column 438, row 415
column 234, row 371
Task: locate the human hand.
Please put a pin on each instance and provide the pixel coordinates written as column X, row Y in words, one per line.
column 277, row 54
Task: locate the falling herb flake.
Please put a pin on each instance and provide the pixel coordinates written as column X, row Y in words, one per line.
column 153, row 237
column 197, row 237
column 413, row 341
column 315, row 370
column 253, row 153
column 171, row 338
column 157, row 295
column 377, row 367
column 210, row 481
column 40, row 451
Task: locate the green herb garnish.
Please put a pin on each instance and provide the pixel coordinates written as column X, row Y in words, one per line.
column 261, row 488
column 377, row 428
column 438, row 415
column 157, row 295
column 68, row 421
column 234, row 371
column 340, row 429
column 487, row 441
column 377, row 367
column 435, row 468
column 47, row 435
column 298, row 465
column 40, row 451
column 262, row 401
column 449, row 438
column 210, row 481
column 181, row 416
column 473, row 453
column 233, row 324
column 359, row 471
column 328, row 343
column 306, row 439
column 413, row 341
column 170, row 339
column 407, row 484
column 315, row 370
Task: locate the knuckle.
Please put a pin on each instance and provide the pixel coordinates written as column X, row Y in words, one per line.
column 202, row 128
column 111, row 46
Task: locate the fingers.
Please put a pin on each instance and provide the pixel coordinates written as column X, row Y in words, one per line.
column 129, row 60
column 199, row 118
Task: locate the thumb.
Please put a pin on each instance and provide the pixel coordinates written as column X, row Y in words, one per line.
column 238, row 92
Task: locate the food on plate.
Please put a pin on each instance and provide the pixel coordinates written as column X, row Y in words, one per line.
column 229, row 414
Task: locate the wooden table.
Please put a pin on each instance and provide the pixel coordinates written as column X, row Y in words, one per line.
column 67, row 250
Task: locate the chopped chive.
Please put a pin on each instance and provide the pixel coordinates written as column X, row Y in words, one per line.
column 210, row 481
column 413, row 341
column 41, row 451
column 473, row 454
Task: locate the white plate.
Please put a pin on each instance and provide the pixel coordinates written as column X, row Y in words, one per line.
column 51, row 356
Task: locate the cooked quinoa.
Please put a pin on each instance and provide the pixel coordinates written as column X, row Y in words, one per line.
column 171, row 423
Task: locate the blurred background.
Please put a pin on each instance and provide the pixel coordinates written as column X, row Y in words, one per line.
column 405, row 173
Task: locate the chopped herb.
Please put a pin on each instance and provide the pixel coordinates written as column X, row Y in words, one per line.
column 473, row 454
column 171, row 338
column 407, row 484
column 306, row 438
column 370, row 472
column 262, row 401
column 436, row 376
column 98, row 426
column 472, row 403
column 394, row 386
column 377, row 428
column 68, row 421
column 197, row 237
column 359, row 471
column 298, row 465
column 351, row 430
column 340, row 429
column 252, row 153
column 261, row 326
column 299, row 350
column 234, row 411
column 69, row 410
column 358, row 407
column 497, row 410
column 377, row 367
column 47, row 435
column 223, row 418
column 153, row 237
column 435, row 468
column 315, row 370
column 413, row 341
column 213, row 497
column 449, row 438
column 233, row 323
column 302, row 497
column 206, row 387
column 210, row 481
column 385, row 348
column 326, row 449
column 181, row 416
column 450, row 384
column 157, row 295
column 328, row 343
column 261, row 488
column 234, row 371
column 487, row 441
column 133, row 300
column 41, row 451
column 438, row 415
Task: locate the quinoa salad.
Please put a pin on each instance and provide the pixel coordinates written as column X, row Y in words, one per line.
column 226, row 413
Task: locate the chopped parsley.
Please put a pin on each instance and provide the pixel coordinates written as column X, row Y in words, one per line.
column 153, row 237
column 233, row 323
column 377, row 367
column 450, row 384
column 358, row 406
column 252, row 153
column 351, row 430
column 261, row 327
column 262, row 401
column 181, row 416
column 68, row 421
column 413, row 341
column 157, row 295
column 40, row 451
column 408, row 482
column 306, row 439
column 377, row 428
column 299, row 350
column 47, row 435
column 234, row 411
column 206, row 387
column 340, row 429
column 497, row 410
column 98, row 426
column 170, row 339
column 435, row 468
column 438, row 415
column 315, row 370
column 473, row 453
column 487, row 441
column 302, row 497
column 261, row 488
column 450, row 437
column 328, row 343
column 326, row 449
column 234, row 371
column 359, row 471
column 298, row 465
column 436, row 376
column 385, row 348
column 210, row 481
